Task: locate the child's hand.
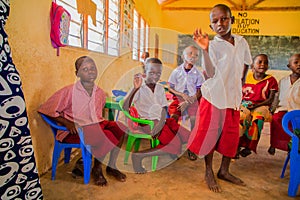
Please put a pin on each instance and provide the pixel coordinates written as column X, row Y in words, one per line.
column 71, row 126
column 185, row 96
column 201, row 38
column 182, row 106
column 137, row 81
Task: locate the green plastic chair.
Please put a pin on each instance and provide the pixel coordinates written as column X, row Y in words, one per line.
column 134, row 138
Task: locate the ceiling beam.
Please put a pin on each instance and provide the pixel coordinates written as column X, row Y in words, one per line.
column 255, row 4
column 234, row 4
column 166, row 2
column 296, row 8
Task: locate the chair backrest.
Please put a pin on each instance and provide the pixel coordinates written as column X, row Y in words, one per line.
column 292, row 118
column 53, row 124
column 133, row 119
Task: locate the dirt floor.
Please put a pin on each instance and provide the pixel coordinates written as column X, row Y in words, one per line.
column 183, row 179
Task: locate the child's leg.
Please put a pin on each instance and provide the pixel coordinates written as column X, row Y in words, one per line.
column 209, row 174
column 224, row 174
column 97, row 173
column 137, row 158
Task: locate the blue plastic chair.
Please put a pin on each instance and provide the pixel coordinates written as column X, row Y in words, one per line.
column 293, row 118
column 67, row 147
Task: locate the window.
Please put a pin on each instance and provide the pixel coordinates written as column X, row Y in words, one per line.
column 113, row 27
column 96, row 34
column 103, row 34
column 140, row 41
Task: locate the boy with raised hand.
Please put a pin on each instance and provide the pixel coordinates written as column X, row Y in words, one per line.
column 225, row 60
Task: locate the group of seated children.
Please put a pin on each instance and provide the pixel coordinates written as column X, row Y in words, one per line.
column 261, row 97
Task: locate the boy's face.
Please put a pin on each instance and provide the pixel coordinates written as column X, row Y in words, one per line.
column 153, row 73
column 220, row 21
column 260, row 64
column 294, row 64
column 190, row 55
column 87, row 72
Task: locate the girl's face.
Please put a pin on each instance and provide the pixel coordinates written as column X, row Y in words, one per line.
column 191, row 55
column 294, row 64
column 260, row 64
column 87, row 72
column 153, row 73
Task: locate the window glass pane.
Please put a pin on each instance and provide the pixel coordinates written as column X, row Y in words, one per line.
column 113, row 27
column 96, row 33
column 147, row 38
column 135, row 35
column 142, row 33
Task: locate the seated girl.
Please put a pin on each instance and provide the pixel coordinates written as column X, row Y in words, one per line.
column 258, row 94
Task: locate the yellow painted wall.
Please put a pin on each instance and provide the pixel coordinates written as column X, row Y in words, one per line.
column 43, row 73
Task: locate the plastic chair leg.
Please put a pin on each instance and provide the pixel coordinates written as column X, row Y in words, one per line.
column 130, row 142
column 154, row 143
column 55, row 156
column 67, row 154
column 87, row 164
column 137, row 144
column 285, row 165
column 294, row 179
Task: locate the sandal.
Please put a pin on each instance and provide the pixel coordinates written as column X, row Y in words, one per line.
column 191, row 155
column 271, row 151
column 78, row 169
column 245, row 152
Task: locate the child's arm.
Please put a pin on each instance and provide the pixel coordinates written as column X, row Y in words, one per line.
column 266, row 102
column 176, row 93
column 71, row 126
column 137, row 82
column 202, row 40
column 245, row 71
column 158, row 127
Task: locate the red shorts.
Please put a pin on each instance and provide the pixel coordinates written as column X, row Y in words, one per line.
column 191, row 109
column 215, row 129
column 102, row 137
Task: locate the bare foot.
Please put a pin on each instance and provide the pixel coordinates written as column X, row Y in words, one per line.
column 211, row 181
column 116, row 173
column 230, row 178
column 98, row 177
column 137, row 164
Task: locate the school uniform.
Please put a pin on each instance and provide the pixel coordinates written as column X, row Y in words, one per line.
column 217, row 122
column 75, row 104
column 149, row 106
column 187, row 82
column 288, row 100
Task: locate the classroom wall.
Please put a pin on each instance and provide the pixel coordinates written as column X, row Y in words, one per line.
column 43, row 73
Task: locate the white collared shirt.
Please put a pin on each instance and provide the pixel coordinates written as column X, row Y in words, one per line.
column 182, row 80
column 224, row 90
column 294, row 97
column 149, row 104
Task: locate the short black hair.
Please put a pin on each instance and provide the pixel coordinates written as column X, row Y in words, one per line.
column 223, row 7
column 152, row 60
column 81, row 60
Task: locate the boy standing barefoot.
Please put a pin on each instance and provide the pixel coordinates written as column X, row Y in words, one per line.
column 225, row 61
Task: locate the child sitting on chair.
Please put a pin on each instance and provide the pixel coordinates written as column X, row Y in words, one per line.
column 81, row 105
column 258, row 94
column 288, row 99
column 184, row 83
column 150, row 102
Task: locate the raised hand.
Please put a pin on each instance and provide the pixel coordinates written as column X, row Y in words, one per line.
column 201, row 38
column 137, row 81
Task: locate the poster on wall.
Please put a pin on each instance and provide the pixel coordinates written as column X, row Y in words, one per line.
column 128, row 6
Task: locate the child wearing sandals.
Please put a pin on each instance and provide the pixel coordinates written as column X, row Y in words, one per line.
column 81, row 105
column 288, row 99
column 184, row 83
column 150, row 101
